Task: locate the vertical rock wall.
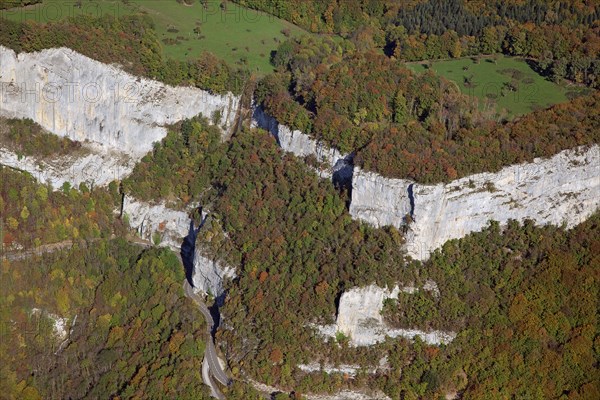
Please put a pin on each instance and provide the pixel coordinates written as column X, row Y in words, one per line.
column 563, row 189
column 336, row 164
column 74, row 96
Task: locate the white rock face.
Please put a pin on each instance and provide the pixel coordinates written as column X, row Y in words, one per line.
column 359, row 318
column 74, row 96
column 378, row 200
column 342, row 395
column 147, row 219
column 208, row 275
column 94, row 168
column 59, row 323
column 347, row 369
column 302, row 145
column 100, row 169
column 349, row 395
column 117, row 116
column 562, row 189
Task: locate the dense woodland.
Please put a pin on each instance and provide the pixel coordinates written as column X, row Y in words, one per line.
column 523, row 299
column 181, row 166
column 356, row 95
column 26, row 138
column 133, row 333
column 34, row 214
column 467, row 17
column 561, row 35
column 409, row 125
column 129, row 41
column 296, row 249
column 4, row 4
column 433, row 158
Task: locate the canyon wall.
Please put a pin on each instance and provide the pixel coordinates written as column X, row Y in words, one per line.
column 563, row 189
column 333, row 163
column 94, row 168
column 156, row 222
column 74, row 96
column 209, row 275
column 119, row 116
column 359, row 317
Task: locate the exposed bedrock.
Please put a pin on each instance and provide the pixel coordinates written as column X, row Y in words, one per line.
column 90, row 166
column 563, row 189
column 156, row 222
column 209, row 275
column 121, row 116
column 335, row 164
column 359, row 317
column 74, row 96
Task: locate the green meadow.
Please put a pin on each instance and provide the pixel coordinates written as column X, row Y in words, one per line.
column 508, row 84
column 240, row 36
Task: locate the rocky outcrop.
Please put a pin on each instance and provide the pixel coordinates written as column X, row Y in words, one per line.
column 122, row 115
column 379, row 201
column 151, row 221
column 116, row 116
column 349, row 395
column 335, row 164
column 156, row 222
column 346, row 369
column 209, row 275
column 359, row 317
column 563, row 189
column 94, row 168
column 59, row 324
column 341, row 395
column 74, row 96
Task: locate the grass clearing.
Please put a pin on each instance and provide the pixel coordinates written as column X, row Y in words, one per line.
column 509, row 84
column 238, row 35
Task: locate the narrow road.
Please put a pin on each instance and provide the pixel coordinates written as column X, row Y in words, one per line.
column 214, row 391
column 37, row 251
column 211, row 351
column 52, row 247
column 210, row 355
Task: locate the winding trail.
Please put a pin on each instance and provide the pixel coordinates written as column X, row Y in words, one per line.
column 210, row 354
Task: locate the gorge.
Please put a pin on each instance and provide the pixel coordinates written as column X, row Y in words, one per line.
column 126, row 115
column 120, row 116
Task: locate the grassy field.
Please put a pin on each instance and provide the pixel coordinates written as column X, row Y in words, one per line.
column 508, row 84
column 238, row 35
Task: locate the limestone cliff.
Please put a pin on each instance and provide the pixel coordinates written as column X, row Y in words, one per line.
column 156, row 222
column 74, row 96
column 89, row 166
column 209, row 275
column 379, row 201
column 563, row 189
column 116, row 115
column 359, row 317
column 335, row 164
column 121, row 115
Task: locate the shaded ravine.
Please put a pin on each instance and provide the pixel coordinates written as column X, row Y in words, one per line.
column 211, row 365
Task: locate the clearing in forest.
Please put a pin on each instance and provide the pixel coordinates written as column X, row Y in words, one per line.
column 238, row 35
column 507, row 83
